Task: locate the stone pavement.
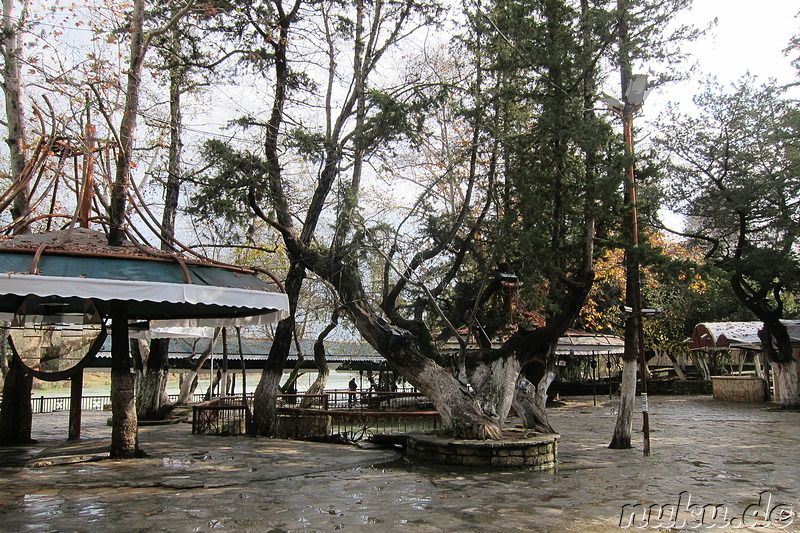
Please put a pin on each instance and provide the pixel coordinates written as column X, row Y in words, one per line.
column 714, row 465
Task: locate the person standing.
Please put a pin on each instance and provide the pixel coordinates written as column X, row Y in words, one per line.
column 352, row 387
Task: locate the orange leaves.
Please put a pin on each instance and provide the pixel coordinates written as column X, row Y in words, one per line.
column 208, row 9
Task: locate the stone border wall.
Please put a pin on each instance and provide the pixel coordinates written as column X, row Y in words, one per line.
column 303, row 426
column 539, row 452
column 739, row 388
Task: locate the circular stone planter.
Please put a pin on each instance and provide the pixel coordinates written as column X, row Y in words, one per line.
column 538, row 452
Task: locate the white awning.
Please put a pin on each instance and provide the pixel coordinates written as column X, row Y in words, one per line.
column 173, row 332
column 247, row 306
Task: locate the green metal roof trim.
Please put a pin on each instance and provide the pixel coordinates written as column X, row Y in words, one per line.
column 133, row 269
column 56, row 273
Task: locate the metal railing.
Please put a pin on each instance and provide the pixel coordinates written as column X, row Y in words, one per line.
column 345, row 400
column 335, row 399
column 45, row 404
column 363, row 425
column 344, row 414
column 340, row 400
column 221, row 416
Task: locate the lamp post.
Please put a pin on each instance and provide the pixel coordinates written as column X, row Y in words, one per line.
column 633, row 99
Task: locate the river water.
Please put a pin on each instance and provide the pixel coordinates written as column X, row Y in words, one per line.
column 337, row 380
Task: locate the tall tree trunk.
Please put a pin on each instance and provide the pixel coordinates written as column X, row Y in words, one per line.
column 621, row 439
column 265, row 397
column 152, row 400
column 622, row 431
column 172, row 186
column 125, row 426
column 11, row 49
column 627, row 397
column 16, row 415
column 3, row 352
column 127, row 129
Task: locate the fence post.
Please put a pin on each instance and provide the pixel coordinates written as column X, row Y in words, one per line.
column 325, row 402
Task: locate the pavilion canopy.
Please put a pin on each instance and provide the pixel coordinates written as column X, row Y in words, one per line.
column 572, row 342
column 55, row 274
column 585, row 343
column 710, row 336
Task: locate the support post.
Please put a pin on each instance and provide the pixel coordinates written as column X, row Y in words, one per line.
column 76, row 396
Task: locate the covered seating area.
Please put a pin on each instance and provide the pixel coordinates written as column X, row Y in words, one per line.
column 730, row 354
column 62, row 290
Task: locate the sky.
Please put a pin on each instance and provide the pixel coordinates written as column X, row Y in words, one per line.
column 750, row 35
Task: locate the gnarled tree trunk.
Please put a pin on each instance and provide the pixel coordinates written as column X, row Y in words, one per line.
column 185, row 393
column 776, row 343
column 785, row 379
column 460, row 408
column 318, row 387
column 152, row 402
column 494, row 382
column 16, row 416
column 265, row 397
column 530, row 401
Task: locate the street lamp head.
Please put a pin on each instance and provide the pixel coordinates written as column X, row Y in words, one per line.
column 612, row 102
column 637, row 90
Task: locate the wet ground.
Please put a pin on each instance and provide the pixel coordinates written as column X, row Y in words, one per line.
column 714, row 465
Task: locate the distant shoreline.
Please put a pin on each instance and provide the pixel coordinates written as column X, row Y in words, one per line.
column 98, row 383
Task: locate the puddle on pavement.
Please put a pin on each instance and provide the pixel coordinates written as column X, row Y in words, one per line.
column 43, row 508
column 582, row 493
column 167, row 462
